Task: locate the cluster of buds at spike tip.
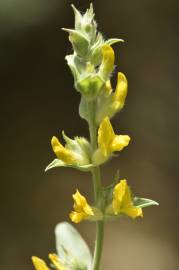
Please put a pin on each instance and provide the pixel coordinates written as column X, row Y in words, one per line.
column 93, row 58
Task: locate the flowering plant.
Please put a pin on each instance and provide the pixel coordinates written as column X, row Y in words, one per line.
column 92, row 64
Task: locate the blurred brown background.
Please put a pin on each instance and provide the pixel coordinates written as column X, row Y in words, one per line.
column 38, row 101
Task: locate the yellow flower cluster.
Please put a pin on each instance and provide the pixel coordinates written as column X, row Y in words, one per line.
column 122, row 203
column 108, row 142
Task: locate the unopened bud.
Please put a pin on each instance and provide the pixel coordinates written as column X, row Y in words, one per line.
column 107, row 64
column 79, row 42
column 90, row 86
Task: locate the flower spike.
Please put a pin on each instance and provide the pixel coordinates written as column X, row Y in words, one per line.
column 92, row 62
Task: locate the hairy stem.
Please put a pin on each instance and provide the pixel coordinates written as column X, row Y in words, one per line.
column 97, row 187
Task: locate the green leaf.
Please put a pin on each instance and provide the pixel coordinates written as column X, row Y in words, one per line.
column 142, row 202
column 71, row 247
column 113, row 41
column 59, row 163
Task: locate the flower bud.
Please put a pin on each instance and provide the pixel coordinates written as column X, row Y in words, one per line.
column 110, row 102
column 79, row 42
column 120, row 93
column 96, row 56
column 107, row 64
column 90, row 86
column 86, row 23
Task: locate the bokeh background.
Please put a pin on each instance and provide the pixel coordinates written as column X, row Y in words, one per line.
column 38, row 101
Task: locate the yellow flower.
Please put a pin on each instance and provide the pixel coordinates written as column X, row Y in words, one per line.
column 108, row 142
column 75, row 152
column 61, row 152
column 39, row 264
column 107, row 63
column 122, row 201
column 82, row 210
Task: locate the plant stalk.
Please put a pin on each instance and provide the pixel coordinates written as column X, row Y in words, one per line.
column 97, row 187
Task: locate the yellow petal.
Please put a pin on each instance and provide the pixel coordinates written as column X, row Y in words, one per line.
column 118, row 195
column 79, row 201
column 39, row 264
column 61, row 152
column 107, row 64
column 88, row 210
column 81, row 204
column 121, row 91
column 127, row 198
column 56, row 262
column 119, row 142
column 77, row 217
column 132, row 212
column 108, row 87
column 122, row 201
column 105, row 136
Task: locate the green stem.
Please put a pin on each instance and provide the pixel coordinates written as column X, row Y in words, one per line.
column 97, row 187
column 92, row 125
column 98, row 245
